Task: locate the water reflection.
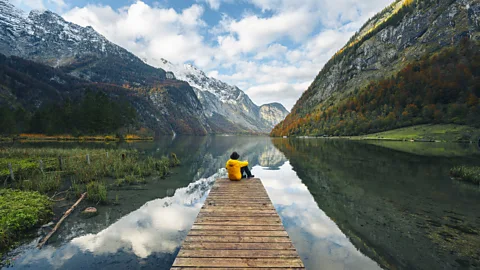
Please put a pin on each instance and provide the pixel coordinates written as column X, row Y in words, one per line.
column 154, row 230
column 316, row 237
column 338, row 201
column 401, row 209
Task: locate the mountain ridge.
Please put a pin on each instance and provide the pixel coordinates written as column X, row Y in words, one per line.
column 406, row 35
column 164, row 106
column 175, row 106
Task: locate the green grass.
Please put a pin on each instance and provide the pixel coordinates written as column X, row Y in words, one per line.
column 124, row 166
column 443, row 132
column 467, row 174
column 21, row 211
column 24, row 208
column 441, row 149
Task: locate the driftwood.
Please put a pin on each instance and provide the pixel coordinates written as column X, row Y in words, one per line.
column 56, row 194
column 67, row 213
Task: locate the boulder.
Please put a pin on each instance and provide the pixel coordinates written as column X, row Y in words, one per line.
column 89, row 212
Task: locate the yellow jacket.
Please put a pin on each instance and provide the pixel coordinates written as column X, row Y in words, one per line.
column 233, row 167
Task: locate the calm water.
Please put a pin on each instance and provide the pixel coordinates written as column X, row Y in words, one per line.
column 345, row 205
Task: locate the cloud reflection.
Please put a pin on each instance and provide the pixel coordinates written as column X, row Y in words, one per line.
column 319, row 241
column 154, row 226
column 159, row 226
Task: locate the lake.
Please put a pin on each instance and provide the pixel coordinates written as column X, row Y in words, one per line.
column 345, row 205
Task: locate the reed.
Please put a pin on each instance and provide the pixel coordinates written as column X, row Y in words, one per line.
column 466, row 173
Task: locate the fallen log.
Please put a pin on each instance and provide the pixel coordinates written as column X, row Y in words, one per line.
column 65, row 215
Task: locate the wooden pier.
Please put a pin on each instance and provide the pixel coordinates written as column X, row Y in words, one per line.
column 239, row 228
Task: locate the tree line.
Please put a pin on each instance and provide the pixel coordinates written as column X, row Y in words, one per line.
column 93, row 113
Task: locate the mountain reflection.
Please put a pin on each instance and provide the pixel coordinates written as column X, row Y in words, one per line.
column 318, row 240
column 399, row 208
column 148, row 234
column 344, row 204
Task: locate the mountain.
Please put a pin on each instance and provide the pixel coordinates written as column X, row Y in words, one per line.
column 225, row 103
column 163, row 106
column 415, row 62
column 211, row 106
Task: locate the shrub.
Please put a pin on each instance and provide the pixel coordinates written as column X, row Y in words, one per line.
column 467, row 174
column 20, row 211
column 97, row 192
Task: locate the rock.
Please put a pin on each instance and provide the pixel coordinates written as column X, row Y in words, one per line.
column 89, row 212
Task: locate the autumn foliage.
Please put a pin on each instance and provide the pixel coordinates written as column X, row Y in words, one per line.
column 442, row 88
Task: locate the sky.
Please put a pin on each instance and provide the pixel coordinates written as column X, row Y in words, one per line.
column 271, row 49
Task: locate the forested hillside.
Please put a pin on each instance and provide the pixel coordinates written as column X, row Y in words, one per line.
column 442, row 88
column 41, row 99
column 415, row 62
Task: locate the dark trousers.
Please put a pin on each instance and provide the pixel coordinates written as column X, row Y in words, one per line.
column 245, row 170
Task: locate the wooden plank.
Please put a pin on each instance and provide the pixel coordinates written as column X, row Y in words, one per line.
column 237, row 246
column 237, row 196
column 239, row 211
column 227, row 208
column 239, row 262
column 238, row 268
column 239, row 222
column 237, row 239
column 237, row 233
column 238, row 228
column 259, row 220
column 253, row 253
column 245, row 204
column 236, row 214
column 250, row 211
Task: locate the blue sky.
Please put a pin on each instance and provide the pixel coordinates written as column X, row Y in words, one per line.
column 271, row 49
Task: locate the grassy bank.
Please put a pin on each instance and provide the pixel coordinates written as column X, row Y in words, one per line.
column 67, row 137
column 442, row 149
column 21, row 211
column 31, row 179
column 467, row 174
column 443, row 133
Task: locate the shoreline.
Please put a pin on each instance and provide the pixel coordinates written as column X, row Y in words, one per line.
column 70, row 138
column 439, row 133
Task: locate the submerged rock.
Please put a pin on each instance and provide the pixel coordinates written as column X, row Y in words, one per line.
column 89, row 212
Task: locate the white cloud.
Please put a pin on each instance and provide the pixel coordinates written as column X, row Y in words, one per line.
column 149, row 32
column 30, row 4
column 27, row 5
column 274, row 55
column 273, row 51
column 268, row 93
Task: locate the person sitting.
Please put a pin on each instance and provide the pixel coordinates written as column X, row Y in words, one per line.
column 236, row 169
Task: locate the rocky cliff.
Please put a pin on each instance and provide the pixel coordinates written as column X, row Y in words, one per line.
column 402, row 33
column 273, row 113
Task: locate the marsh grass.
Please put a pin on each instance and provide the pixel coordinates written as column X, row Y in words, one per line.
column 467, row 174
column 126, row 167
column 97, row 192
column 21, row 211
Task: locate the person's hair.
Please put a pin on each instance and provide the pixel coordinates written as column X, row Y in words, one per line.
column 234, row 155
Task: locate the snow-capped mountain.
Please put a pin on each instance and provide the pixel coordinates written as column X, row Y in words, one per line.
column 163, row 106
column 45, row 37
column 221, row 99
column 209, row 106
